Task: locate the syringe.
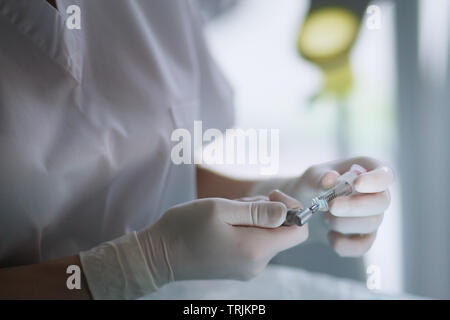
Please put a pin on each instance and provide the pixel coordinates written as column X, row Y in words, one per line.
column 344, row 187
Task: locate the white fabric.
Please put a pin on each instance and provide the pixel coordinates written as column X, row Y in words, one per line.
column 86, row 117
column 274, row 283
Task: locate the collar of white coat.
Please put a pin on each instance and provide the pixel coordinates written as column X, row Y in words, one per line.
column 45, row 27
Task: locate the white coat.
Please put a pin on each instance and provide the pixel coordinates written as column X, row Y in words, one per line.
column 86, row 117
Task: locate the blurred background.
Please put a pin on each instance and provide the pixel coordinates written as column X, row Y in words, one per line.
column 346, row 78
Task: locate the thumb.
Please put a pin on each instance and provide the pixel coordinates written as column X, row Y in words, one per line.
column 291, row 203
column 329, row 179
column 263, row 214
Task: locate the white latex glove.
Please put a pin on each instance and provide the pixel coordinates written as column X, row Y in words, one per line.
column 203, row 239
column 351, row 224
column 220, row 239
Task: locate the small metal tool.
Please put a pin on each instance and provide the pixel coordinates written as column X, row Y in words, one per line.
column 344, row 187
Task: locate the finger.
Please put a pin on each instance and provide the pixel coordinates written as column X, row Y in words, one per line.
column 253, row 199
column 277, row 239
column 329, row 179
column 351, row 245
column 374, row 181
column 264, row 214
column 359, row 225
column 360, row 205
column 290, row 202
column 366, row 162
column 288, row 237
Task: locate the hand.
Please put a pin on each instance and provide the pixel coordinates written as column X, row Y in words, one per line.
column 218, row 239
column 352, row 221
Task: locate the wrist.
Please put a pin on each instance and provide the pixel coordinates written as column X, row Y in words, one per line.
column 156, row 255
column 264, row 187
column 118, row 269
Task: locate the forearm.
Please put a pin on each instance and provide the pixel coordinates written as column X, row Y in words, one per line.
column 211, row 184
column 47, row 280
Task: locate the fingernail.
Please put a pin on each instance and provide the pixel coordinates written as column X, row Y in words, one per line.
column 277, row 214
column 374, row 181
column 329, row 179
column 277, row 208
column 358, row 168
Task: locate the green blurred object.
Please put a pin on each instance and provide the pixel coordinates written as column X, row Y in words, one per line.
column 326, row 38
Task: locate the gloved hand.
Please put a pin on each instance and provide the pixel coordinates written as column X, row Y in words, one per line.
column 351, row 224
column 203, row 239
column 219, row 239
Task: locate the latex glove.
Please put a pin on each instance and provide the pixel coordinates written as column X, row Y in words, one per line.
column 203, row 239
column 219, row 239
column 352, row 221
